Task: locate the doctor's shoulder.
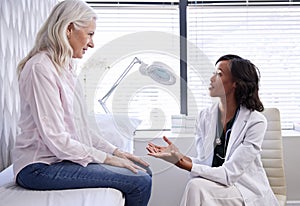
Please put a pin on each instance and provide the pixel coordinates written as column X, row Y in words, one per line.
column 257, row 118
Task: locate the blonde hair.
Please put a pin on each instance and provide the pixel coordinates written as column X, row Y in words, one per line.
column 52, row 36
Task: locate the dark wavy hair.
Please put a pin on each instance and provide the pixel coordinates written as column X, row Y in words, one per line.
column 246, row 75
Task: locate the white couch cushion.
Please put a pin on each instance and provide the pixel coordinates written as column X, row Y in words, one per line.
column 14, row 195
column 6, row 176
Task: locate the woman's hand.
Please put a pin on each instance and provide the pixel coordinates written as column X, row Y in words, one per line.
column 131, row 157
column 169, row 153
column 122, row 162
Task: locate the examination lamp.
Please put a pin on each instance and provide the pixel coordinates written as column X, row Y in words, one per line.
column 158, row 71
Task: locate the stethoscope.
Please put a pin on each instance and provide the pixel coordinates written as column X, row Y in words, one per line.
column 219, row 141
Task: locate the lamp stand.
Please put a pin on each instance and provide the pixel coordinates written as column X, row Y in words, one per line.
column 103, row 100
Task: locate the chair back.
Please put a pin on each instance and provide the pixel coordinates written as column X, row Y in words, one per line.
column 272, row 154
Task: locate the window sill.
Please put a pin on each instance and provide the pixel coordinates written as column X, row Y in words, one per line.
column 147, row 134
column 290, row 133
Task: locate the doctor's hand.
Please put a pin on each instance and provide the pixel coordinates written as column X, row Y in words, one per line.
column 168, row 153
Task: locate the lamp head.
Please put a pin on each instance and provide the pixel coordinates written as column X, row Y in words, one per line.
column 159, row 72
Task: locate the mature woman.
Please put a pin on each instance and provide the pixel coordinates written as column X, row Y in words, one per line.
column 55, row 148
column 229, row 134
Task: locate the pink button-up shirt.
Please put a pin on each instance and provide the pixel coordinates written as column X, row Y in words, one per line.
column 53, row 122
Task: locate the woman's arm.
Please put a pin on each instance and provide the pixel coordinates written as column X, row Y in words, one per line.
column 44, row 99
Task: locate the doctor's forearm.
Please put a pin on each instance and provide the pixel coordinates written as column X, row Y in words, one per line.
column 185, row 163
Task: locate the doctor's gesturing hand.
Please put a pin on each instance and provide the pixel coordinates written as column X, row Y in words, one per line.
column 170, row 153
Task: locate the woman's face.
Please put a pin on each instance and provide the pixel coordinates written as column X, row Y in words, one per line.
column 221, row 83
column 82, row 38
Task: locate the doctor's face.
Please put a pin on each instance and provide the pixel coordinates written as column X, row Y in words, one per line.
column 221, row 83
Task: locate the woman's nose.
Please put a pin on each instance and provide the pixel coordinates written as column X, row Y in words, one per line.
column 91, row 43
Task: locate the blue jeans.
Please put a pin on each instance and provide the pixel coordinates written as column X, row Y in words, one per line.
column 68, row 175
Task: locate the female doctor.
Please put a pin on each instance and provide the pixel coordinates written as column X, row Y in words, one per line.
column 229, row 134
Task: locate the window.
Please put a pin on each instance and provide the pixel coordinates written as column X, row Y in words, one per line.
column 125, row 31
column 265, row 32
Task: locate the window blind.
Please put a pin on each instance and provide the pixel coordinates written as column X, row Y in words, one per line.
column 118, row 33
column 266, row 34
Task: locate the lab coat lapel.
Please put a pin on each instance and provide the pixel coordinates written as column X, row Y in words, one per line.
column 238, row 130
column 211, row 122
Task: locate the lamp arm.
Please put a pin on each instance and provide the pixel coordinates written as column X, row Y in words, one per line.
column 116, row 84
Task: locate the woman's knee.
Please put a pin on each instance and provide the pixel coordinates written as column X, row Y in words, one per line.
column 141, row 190
column 145, row 181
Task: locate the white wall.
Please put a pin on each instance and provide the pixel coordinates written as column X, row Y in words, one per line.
column 169, row 181
column 291, row 152
column 18, row 28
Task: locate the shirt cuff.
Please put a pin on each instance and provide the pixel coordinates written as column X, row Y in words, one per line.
column 98, row 156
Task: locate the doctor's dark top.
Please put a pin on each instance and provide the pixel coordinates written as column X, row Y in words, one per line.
column 222, row 139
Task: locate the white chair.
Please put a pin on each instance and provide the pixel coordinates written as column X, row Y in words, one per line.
column 272, row 154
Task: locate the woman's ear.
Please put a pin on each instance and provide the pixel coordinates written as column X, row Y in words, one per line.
column 69, row 30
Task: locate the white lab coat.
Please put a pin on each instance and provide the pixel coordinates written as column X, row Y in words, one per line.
column 242, row 167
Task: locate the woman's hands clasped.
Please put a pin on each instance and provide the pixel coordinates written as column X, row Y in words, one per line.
column 125, row 160
column 169, row 153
